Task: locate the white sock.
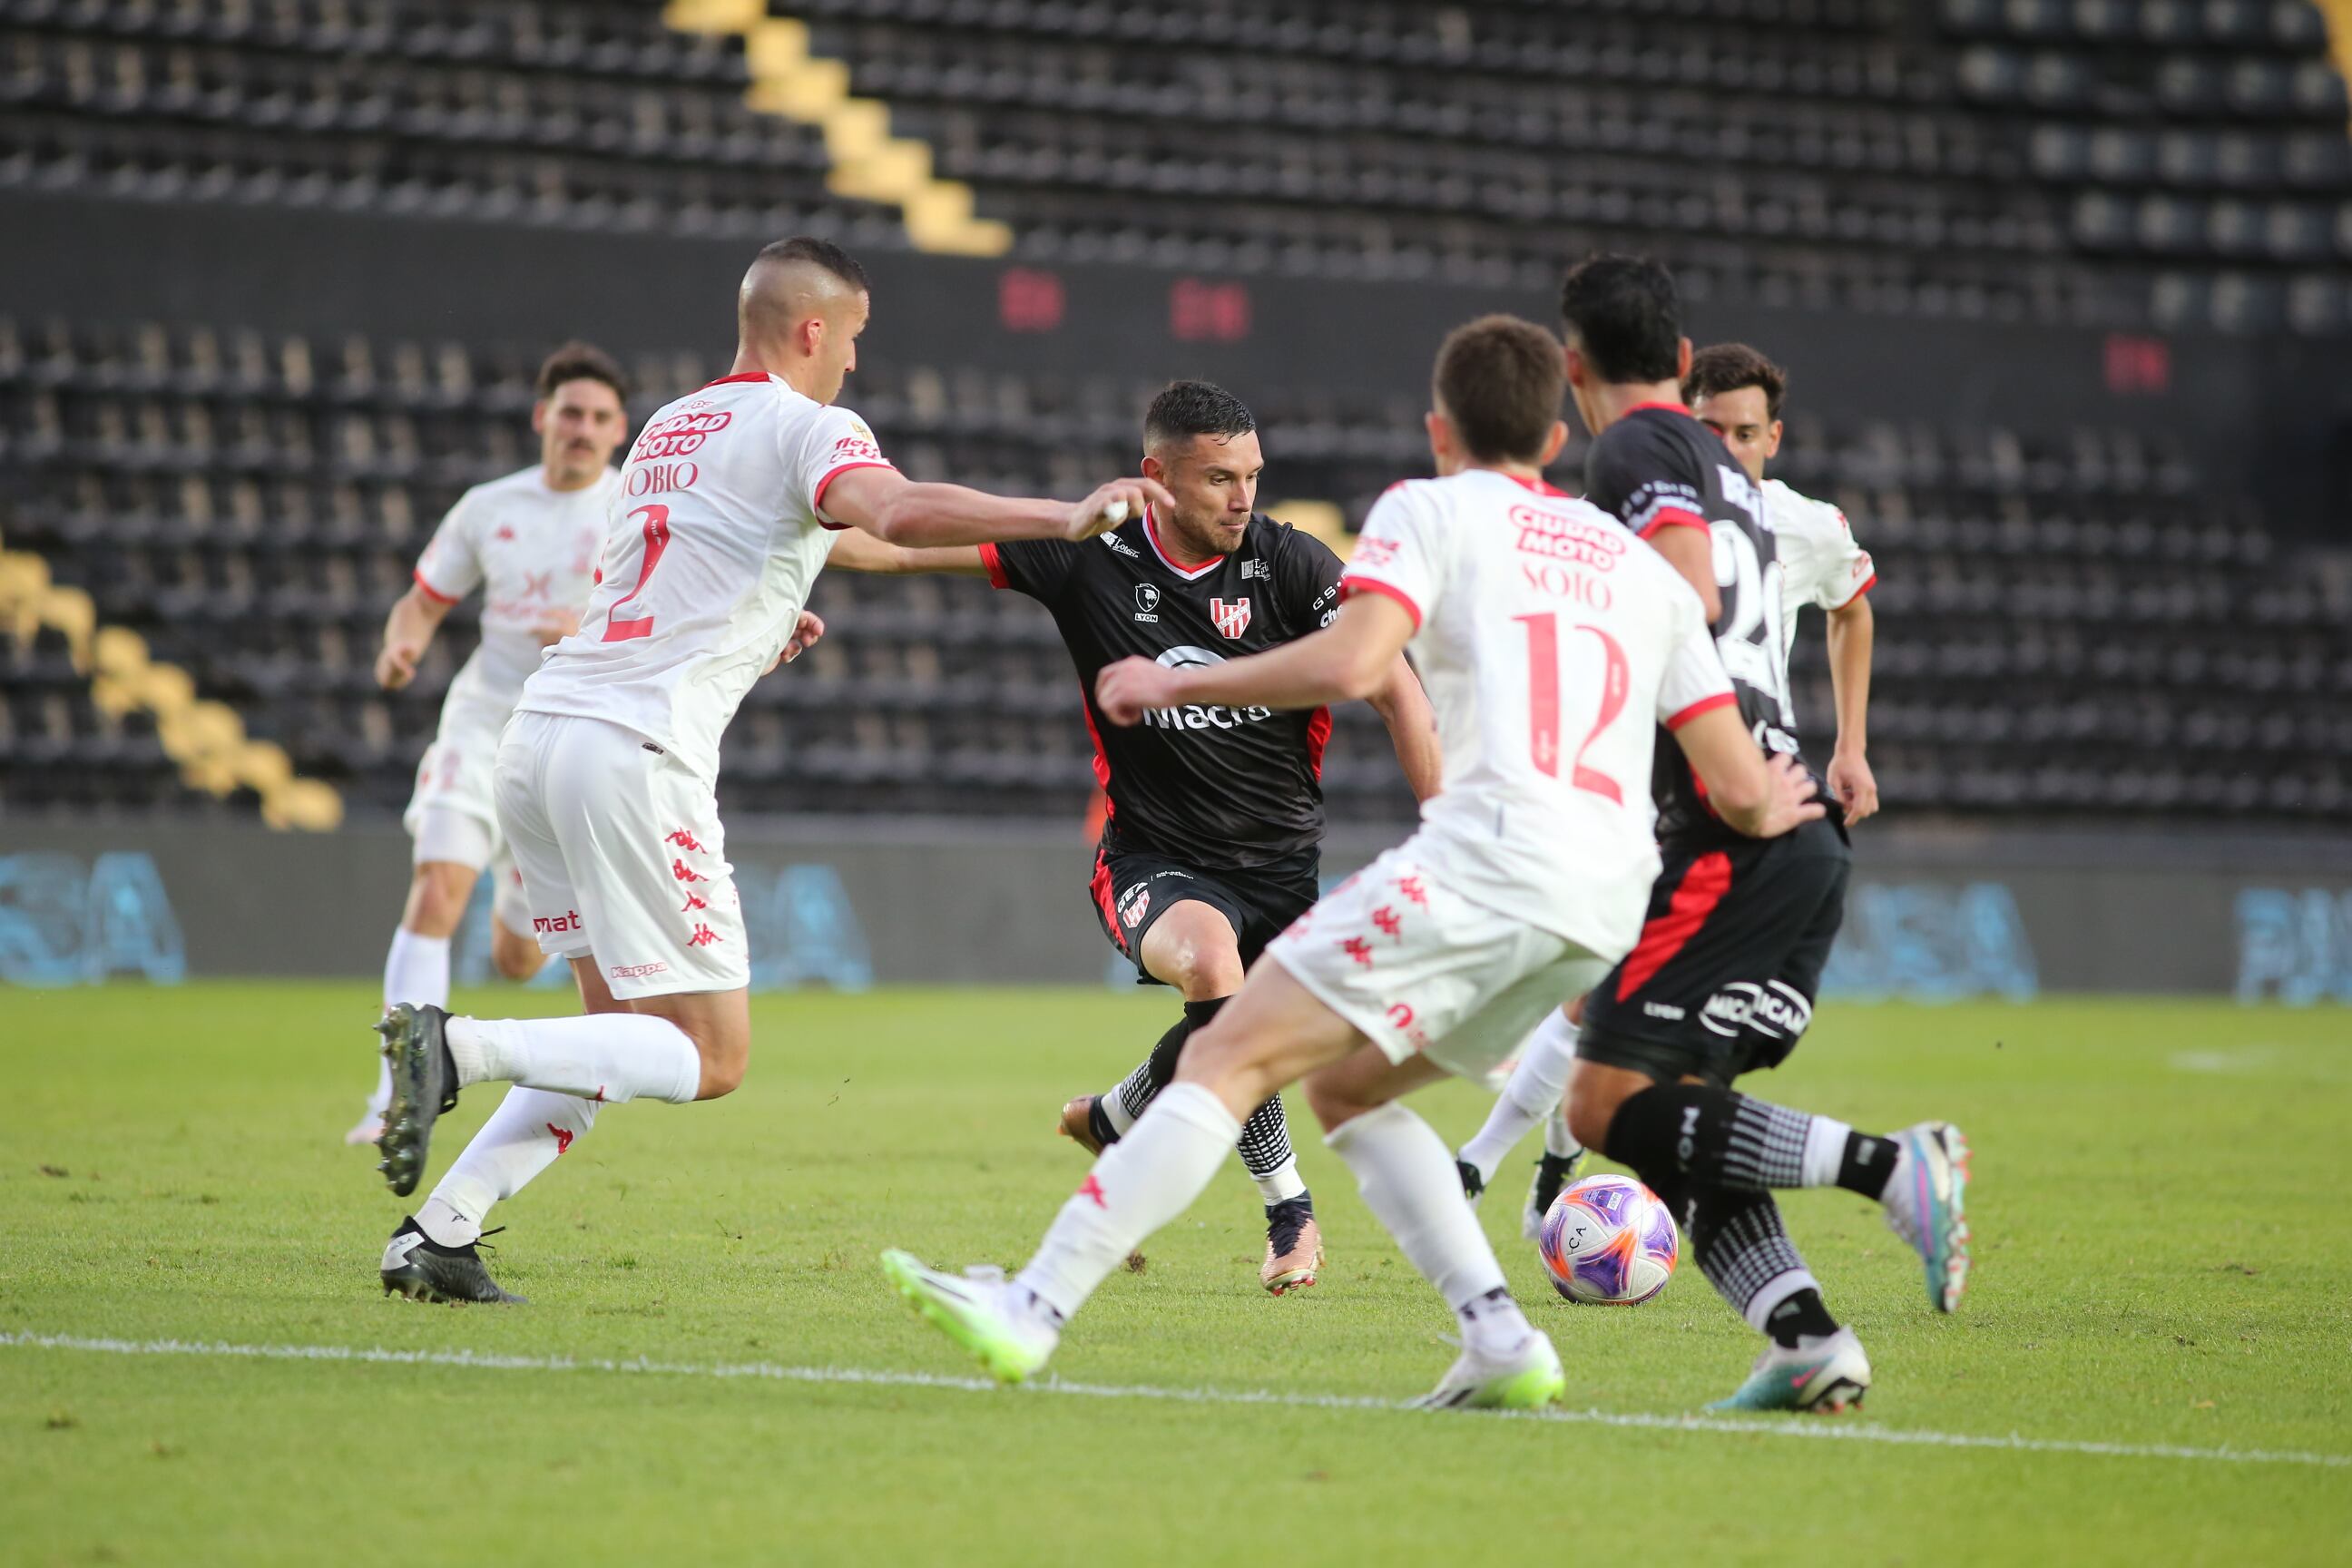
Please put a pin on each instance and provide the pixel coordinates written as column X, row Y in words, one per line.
column 1825, row 1143
column 417, row 971
column 1282, row 1184
column 524, row 1136
column 1408, row 1182
column 606, row 1056
column 1532, row 1093
column 1142, row 1182
column 1114, row 1106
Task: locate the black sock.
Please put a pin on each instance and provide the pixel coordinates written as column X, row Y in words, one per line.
column 1801, row 1316
column 1867, row 1165
column 1713, row 1135
column 1155, row 1073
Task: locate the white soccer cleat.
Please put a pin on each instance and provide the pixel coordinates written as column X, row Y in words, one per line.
column 1526, row 1377
column 998, row 1323
column 1824, row 1376
column 1926, row 1202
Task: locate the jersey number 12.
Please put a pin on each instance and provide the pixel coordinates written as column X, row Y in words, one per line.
column 1543, row 703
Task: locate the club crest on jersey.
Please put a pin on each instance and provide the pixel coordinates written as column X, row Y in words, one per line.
column 1230, row 616
column 1146, row 597
column 1136, row 904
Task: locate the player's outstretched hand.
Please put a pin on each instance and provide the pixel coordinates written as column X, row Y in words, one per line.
column 1111, row 505
column 395, row 666
column 1854, row 785
column 1790, row 803
column 807, row 633
column 1127, row 690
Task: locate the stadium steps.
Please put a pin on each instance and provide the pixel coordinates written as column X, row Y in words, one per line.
column 869, row 164
column 206, row 738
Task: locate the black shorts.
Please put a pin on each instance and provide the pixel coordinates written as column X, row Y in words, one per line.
column 1132, row 888
column 1722, row 982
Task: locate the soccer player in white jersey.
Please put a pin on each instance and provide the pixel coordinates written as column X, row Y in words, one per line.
column 606, row 777
column 1551, row 643
column 1736, row 392
column 528, row 541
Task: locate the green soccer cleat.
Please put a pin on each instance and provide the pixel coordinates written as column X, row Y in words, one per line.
column 423, row 1087
column 1526, row 1378
column 977, row 1309
column 1825, row 1377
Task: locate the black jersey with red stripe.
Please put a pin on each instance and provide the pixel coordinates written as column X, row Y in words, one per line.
column 1658, row 468
column 1221, row 788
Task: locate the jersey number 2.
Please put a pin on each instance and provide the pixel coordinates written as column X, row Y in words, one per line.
column 1543, row 703
column 656, row 541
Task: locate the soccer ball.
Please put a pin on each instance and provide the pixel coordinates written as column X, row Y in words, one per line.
column 1609, row 1240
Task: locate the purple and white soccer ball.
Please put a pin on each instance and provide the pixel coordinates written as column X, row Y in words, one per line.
column 1609, row 1241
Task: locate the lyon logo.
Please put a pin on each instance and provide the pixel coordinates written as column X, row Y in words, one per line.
column 1232, row 616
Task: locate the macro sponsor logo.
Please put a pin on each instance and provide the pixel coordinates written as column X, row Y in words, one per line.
column 679, row 436
column 1562, row 537
column 1197, row 715
column 659, row 479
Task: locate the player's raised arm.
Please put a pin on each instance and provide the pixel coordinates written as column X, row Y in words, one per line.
column 1349, row 659
column 898, row 510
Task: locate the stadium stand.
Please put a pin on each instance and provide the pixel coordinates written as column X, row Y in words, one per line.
column 2079, row 625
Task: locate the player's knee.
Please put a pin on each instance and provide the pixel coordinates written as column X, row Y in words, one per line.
column 436, row 898
column 516, row 957
column 1589, row 1123
column 1208, row 970
column 720, row 1078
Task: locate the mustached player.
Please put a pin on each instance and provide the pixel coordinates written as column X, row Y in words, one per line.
column 528, row 541
column 1723, row 978
column 605, row 778
column 1734, row 392
column 1211, row 841
column 1551, row 643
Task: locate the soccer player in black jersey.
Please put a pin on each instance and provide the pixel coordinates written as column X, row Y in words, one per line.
column 1723, row 978
column 1213, row 842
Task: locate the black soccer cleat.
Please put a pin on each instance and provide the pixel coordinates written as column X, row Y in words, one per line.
column 423, row 1087
column 1553, row 1174
column 1473, row 1185
column 417, row 1267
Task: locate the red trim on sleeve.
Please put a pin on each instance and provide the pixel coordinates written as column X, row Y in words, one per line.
column 1867, row 584
column 816, row 499
column 1704, row 705
column 990, row 558
column 432, row 593
column 1674, row 516
column 1351, row 585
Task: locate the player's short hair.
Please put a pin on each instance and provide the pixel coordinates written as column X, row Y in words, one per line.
column 1622, row 313
column 1187, row 408
column 1498, row 382
column 576, row 361
column 820, row 253
column 1727, row 368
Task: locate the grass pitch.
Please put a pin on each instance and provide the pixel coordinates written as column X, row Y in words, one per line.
column 2161, row 1265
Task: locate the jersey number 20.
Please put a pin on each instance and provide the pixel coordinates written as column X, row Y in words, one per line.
column 1543, row 702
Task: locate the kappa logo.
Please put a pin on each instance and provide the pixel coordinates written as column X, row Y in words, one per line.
column 563, row 1136
column 1232, row 617
column 506, row 533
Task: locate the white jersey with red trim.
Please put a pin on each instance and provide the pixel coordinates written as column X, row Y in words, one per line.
column 716, row 537
column 532, row 549
column 1821, row 564
column 1552, row 643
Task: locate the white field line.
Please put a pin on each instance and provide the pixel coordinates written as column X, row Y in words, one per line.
column 1802, row 1428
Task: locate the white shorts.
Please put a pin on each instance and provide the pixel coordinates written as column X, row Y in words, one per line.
column 1420, row 970
column 622, row 856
